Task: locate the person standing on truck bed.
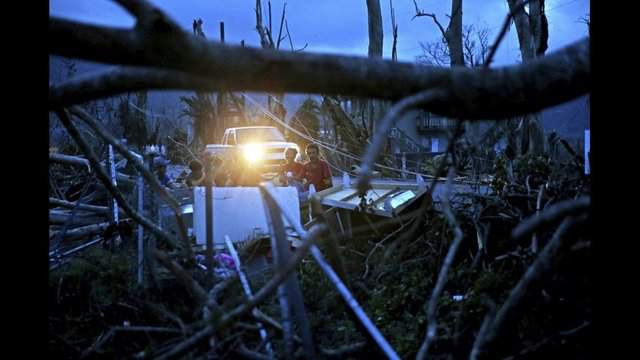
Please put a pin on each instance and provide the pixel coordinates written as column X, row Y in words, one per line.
column 316, row 170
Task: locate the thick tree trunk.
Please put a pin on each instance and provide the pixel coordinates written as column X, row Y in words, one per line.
column 529, row 29
column 454, row 34
column 375, row 28
column 523, row 28
column 374, row 110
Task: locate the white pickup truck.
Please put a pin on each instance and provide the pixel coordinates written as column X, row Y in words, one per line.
column 260, row 147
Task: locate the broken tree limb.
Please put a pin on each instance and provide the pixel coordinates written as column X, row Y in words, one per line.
column 59, row 217
column 534, row 273
column 380, row 135
column 379, row 244
column 85, row 207
column 80, row 161
column 97, row 127
column 243, row 353
column 331, row 242
column 69, row 160
column 278, row 278
column 291, row 299
column 96, row 347
column 343, row 351
column 104, row 178
column 372, row 330
column 309, row 239
column 83, row 231
column 432, row 306
column 121, row 80
column 185, row 278
column 140, row 9
column 472, row 93
column 247, row 290
column 550, row 215
column 188, row 344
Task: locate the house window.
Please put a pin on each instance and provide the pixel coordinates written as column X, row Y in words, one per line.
column 435, row 144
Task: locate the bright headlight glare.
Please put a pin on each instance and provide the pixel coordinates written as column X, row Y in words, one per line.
column 253, row 153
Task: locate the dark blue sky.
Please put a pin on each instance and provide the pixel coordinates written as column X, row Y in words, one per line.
column 340, row 26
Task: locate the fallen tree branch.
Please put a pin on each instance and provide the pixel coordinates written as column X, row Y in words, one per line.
column 550, row 215
column 185, row 278
column 432, row 306
column 70, row 205
column 380, row 137
column 343, row 351
column 106, row 181
column 472, row 93
column 57, row 217
column 82, row 231
column 140, row 9
column 534, row 273
column 248, row 305
column 379, row 244
column 243, row 353
column 112, row 82
column 114, row 329
column 69, row 160
column 148, row 176
column 188, row 344
column 560, row 335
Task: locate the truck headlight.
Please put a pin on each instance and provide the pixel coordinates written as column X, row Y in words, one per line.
column 253, row 153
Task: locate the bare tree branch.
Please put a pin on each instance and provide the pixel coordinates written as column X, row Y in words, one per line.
column 550, row 215
column 380, row 136
column 343, row 351
column 277, row 279
column 473, row 94
column 264, row 39
column 284, row 8
column 188, row 344
column 111, row 82
column 148, row 176
column 505, row 26
column 420, row 13
column 432, row 306
column 71, row 205
column 540, row 266
column 106, row 181
column 139, row 8
column 185, row 278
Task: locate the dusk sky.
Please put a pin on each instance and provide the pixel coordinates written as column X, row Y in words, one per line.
column 340, row 26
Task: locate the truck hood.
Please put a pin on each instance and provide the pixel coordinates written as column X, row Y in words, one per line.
column 273, row 144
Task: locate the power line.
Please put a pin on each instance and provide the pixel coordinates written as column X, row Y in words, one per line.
column 346, row 141
column 324, row 145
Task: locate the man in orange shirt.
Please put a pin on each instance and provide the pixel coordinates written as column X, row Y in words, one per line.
column 316, row 170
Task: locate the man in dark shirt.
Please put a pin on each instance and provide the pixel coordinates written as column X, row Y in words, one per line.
column 316, row 170
column 160, row 167
column 196, row 178
column 291, row 170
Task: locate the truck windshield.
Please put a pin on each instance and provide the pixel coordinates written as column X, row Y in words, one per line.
column 246, row 136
